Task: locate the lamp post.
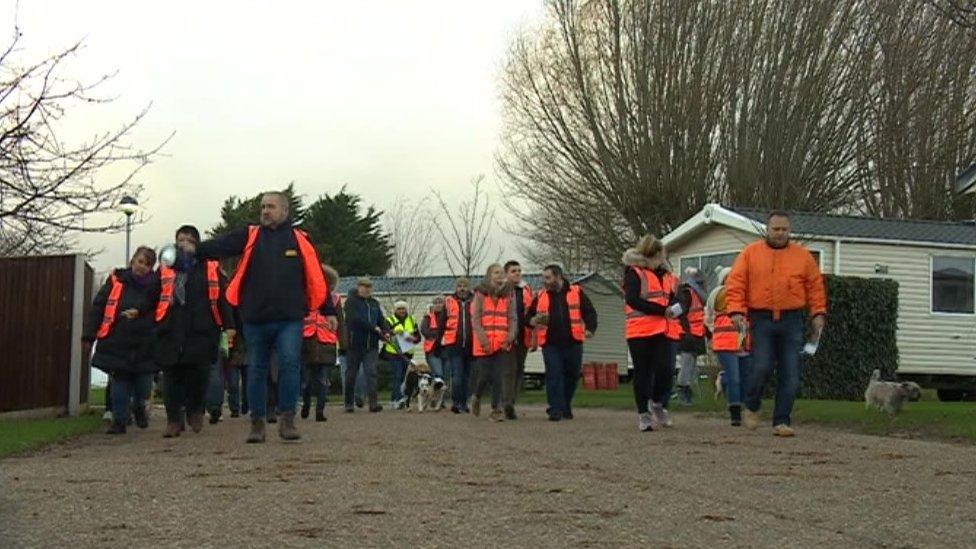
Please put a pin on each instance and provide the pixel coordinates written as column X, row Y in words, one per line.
column 128, row 206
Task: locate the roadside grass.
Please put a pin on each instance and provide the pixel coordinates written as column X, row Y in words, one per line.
column 24, row 435
column 928, row 418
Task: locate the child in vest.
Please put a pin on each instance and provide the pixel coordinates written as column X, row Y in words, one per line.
column 731, row 347
column 319, row 352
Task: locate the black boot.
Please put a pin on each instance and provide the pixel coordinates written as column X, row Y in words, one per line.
column 142, row 420
column 735, row 412
column 305, row 409
column 116, row 428
column 320, row 414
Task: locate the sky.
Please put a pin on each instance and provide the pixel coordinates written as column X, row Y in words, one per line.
column 390, row 98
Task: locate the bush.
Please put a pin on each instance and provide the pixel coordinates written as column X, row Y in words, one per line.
column 862, row 322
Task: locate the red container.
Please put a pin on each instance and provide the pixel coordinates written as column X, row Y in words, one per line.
column 589, row 377
column 613, row 376
column 601, row 378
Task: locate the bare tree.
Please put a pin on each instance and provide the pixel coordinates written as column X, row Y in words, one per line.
column 412, row 228
column 465, row 229
column 959, row 12
column 51, row 190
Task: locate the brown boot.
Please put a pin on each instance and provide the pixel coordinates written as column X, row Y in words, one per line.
column 257, row 431
column 286, row 426
column 172, row 429
column 195, row 421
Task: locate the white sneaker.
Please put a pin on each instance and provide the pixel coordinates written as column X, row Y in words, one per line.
column 661, row 416
column 107, row 416
column 645, row 422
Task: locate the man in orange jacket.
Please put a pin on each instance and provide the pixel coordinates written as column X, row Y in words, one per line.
column 774, row 282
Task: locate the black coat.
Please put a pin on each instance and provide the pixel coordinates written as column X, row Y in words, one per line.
column 128, row 348
column 189, row 334
column 363, row 317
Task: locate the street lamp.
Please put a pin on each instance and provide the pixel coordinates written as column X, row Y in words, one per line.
column 128, row 206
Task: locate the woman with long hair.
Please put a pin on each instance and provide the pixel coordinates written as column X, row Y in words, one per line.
column 648, row 310
column 494, row 321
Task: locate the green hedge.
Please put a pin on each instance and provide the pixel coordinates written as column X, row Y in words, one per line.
column 862, row 321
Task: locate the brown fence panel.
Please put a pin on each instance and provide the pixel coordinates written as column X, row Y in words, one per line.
column 35, row 331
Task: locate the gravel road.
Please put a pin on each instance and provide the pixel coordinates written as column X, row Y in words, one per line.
column 437, row 480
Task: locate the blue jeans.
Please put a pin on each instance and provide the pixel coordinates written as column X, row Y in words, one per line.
column 459, row 366
column 436, row 366
column 285, row 339
column 776, row 344
column 398, row 369
column 738, row 370
column 220, row 378
column 563, row 366
column 360, row 386
column 672, row 360
column 128, row 390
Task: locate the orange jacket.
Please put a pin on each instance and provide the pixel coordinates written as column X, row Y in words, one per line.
column 775, row 280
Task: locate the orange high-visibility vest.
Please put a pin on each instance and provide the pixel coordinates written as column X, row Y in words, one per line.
column 725, row 336
column 640, row 324
column 494, row 320
column 430, row 343
column 453, row 308
column 527, row 302
column 316, row 288
column 167, row 277
column 696, row 315
column 111, row 307
column 576, row 327
column 671, row 285
column 315, row 325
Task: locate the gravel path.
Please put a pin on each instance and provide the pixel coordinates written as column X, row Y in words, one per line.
column 436, row 480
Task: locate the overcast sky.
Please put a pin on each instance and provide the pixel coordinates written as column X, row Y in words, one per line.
column 388, row 97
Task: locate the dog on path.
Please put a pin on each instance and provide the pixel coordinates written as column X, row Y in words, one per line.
column 889, row 396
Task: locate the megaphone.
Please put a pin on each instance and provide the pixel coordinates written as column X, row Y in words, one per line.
column 167, row 255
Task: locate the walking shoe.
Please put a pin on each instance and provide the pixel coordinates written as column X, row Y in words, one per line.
column 235, row 415
column 320, row 415
column 685, row 396
column 645, row 422
column 115, row 429
column 751, row 419
column 510, row 413
column 661, row 416
column 305, row 409
column 568, row 415
column 348, row 409
column 107, row 416
column 142, row 419
column 257, row 431
column 497, row 415
column 376, row 408
column 476, row 406
column 783, row 430
column 555, row 416
column 215, row 417
column 172, row 429
column 735, row 414
column 195, row 421
column 286, row 427
column 359, row 403
column 272, row 416
column 455, row 409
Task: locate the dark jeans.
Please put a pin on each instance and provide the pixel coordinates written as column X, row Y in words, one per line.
column 128, row 390
column 492, row 371
column 563, row 365
column 672, row 360
column 459, row 365
column 521, row 352
column 317, row 382
column 184, row 388
column 653, row 376
column 356, row 359
column 223, row 378
column 398, row 371
column 738, row 371
column 284, row 338
column 776, row 345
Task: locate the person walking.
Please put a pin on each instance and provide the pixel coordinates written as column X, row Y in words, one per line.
column 397, row 352
column 495, row 327
column 237, row 373
column 121, row 321
column 648, row 310
column 191, row 312
column 772, row 284
column 319, row 351
column 731, row 347
column 366, row 327
column 219, row 381
column 691, row 295
column 525, row 341
column 433, row 331
column 278, row 280
column 457, row 342
column 562, row 318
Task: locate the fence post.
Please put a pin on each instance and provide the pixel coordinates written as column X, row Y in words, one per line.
column 77, row 323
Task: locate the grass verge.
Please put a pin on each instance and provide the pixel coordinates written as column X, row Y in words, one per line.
column 24, row 435
column 929, row 418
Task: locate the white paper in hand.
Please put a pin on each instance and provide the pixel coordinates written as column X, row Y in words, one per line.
column 676, row 309
column 404, row 344
column 811, row 348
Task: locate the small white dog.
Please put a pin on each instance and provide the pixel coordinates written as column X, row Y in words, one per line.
column 719, row 387
column 422, row 390
column 889, row 396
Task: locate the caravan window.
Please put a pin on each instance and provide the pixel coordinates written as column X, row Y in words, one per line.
column 707, row 264
column 952, row 285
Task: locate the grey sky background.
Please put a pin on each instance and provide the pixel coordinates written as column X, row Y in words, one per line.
column 391, row 98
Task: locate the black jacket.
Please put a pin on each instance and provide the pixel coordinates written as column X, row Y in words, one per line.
column 189, row 334
column 362, row 317
column 559, row 332
column 128, row 346
column 274, row 287
column 464, row 334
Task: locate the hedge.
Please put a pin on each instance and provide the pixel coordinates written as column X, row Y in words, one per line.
column 862, row 322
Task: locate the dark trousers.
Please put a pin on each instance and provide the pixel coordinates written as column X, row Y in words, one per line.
column 563, row 365
column 653, row 375
column 356, row 359
column 492, row 372
column 185, row 386
column 521, row 352
column 459, row 365
column 316, row 382
column 776, row 345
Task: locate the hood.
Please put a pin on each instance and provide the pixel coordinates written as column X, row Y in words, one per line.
column 722, row 273
column 633, row 258
column 486, row 289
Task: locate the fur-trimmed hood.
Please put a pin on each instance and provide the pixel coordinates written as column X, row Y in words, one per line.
column 633, row 258
column 486, row 289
